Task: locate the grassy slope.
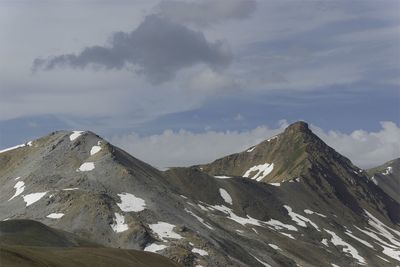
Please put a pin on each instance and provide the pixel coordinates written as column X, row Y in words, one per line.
column 30, row 243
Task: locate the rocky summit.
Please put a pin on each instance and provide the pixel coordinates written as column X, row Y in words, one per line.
column 289, row 201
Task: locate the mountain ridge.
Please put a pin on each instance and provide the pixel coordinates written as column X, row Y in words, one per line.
column 198, row 217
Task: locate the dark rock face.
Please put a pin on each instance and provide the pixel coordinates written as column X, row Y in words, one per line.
column 306, row 204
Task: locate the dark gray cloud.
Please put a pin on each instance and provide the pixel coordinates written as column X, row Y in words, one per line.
column 158, row 48
column 206, row 12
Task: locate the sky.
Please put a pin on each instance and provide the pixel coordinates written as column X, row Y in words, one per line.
column 179, row 82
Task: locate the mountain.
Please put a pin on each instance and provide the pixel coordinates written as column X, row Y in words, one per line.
column 30, row 243
column 387, row 177
column 288, row 201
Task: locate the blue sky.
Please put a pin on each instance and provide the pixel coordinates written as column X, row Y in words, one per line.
column 139, row 68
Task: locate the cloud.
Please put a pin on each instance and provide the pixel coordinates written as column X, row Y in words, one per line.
column 207, row 12
column 185, row 148
column 366, row 149
column 158, row 48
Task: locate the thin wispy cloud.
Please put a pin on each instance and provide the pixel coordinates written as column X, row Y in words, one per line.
column 208, row 12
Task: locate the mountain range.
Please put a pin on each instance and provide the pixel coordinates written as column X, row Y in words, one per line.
column 289, row 201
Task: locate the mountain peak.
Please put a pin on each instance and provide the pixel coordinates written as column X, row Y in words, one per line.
column 298, row 126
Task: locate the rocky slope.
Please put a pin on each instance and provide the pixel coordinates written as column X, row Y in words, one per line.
column 387, row 177
column 306, row 205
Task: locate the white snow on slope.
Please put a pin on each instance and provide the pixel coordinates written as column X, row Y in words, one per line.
column 87, row 166
column 299, row 219
column 225, row 195
column 272, row 138
column 164, row 230
column 250, row 149
column 262, row 171
column 260, row 261
column 275, row 184
column 347, row 248
column 19, row 188
column 131, row 203
column 95, row 149
column 382, row 258
column 359, row 239
column 389, row 170
column 55, row 215
column 383, row 229
column 18, row 178
column 202, row 207
column 390, row 250
column 222, row 177
column 71, row 189
column 200, row 251
column 274, row 246
column 12, row 148
column 288, row 235
column 278, row 225
column 32, row 198
column 325, row 242
column 119, row 224
column 307, row 211
column 75, row 134
column 234, row 217
column 154, row 247
column 199, row 219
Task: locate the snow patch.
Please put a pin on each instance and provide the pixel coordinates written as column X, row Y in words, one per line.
column 288, row 235
column 299, row 219
column 275, row 184
column 274, row 246
column 32, row 198
column 199, row 219
column 347, row 248
column 325, row 242
column 225, row 195
column 75, row 134
column 359, row 239
column 19, row 188
column 260, row 261
column 87, row 166
column 95, row 149
column 389, row 170
column 154, row 247
column 55, row 215
column 164, row 230
column 12, row 148
column 200, row 251
column 307, row 211
column 280, row 225
column 250, row 149
column 382, row 258
column 234, row 217
column 119, row 224
column 131, row 203
column 262, row 171
column 202, row 207
column 222, row 177
column 70, row 189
